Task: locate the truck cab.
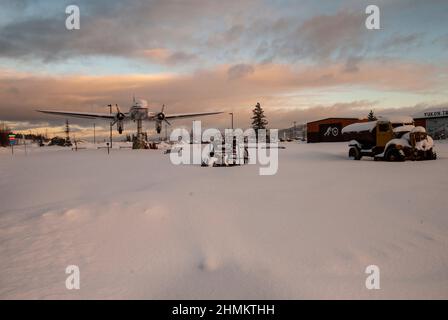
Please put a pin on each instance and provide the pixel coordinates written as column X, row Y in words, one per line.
column 384, row 133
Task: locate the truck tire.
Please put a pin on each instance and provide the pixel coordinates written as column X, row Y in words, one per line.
column 354, row 153
column 393, row 155
column 430, row 155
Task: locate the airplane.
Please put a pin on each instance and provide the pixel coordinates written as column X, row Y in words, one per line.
column 138, row 112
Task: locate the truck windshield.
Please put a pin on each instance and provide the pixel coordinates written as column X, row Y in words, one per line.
column 383, row 127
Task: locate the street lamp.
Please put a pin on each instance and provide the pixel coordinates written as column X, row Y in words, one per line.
column 294, row 131
column 231, row 113
column 110, row 125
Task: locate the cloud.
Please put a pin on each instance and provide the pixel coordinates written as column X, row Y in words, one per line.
column 229, row 36
column 204, row 90
column 402, row 41
column 166, row 57
column 198, row 32
column 351, row 64
column 441, row 40
column 113, row 28
column 327, row 35
column 239, row 71
column 284, row 38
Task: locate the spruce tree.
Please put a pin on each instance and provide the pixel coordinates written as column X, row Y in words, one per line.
column 371, row 116
column 258, row 118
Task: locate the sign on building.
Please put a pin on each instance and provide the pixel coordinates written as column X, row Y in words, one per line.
column 12, row 139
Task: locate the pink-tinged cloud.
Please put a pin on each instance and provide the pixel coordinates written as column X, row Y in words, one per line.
column 226, row 87
column 167, row 57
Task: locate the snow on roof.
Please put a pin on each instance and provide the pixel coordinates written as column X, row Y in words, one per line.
column 406, row 128
column 333, row 118
column 359, row 127
column 418, row 129
column 397, row 119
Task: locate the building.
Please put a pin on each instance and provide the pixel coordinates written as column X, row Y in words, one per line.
column 329, row 129
column 297, row 132
column 435, row 121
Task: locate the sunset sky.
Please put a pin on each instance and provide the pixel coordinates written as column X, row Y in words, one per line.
column 301, row 59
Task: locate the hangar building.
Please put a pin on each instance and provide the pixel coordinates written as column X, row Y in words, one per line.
column 329, row 129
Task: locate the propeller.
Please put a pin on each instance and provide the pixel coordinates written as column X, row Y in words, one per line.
column 161, row 116
column 120, row 116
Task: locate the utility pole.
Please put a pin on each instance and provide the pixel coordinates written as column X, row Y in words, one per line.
column 76, row 144
column 110, row 111
column 231, row 114
column 94, row 134
column 295, row 134
column 67, row 134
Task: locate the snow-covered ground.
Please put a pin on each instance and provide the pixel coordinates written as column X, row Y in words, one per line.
column 139, row 227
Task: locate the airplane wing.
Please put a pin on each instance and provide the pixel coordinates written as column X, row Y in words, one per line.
column 190, row 115
column 85, row 115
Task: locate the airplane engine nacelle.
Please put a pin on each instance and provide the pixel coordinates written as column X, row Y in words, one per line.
column 160, row 116
column 120, row 126
column 159, row 126
column 119, row 118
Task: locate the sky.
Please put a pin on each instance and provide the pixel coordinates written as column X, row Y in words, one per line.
column 301, row 59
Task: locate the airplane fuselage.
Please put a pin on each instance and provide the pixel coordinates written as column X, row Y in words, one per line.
column 139, row 113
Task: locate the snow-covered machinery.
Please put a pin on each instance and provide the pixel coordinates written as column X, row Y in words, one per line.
column 222, row 155
column 390, row 140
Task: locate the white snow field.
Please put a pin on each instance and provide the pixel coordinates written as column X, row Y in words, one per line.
column 139, row 227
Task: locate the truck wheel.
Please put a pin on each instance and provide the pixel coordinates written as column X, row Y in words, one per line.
column 393, row 154
column 354, row 154
column 431, row 155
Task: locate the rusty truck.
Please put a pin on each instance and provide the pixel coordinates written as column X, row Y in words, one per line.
column 389, row 139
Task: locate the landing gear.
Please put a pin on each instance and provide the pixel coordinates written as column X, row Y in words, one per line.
column 139, row 142
column 120, row 127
